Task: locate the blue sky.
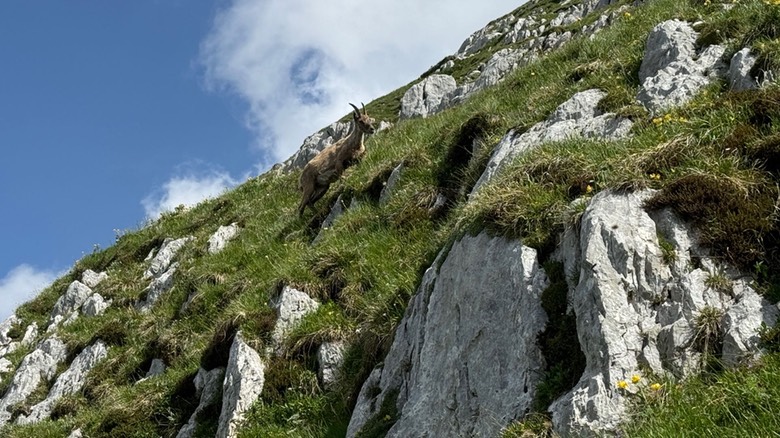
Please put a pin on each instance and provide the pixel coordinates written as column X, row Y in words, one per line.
column 111, row 112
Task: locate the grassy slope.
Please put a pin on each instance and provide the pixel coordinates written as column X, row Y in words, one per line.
column 368, row 264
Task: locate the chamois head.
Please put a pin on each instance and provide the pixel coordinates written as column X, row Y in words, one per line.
column 362, row 121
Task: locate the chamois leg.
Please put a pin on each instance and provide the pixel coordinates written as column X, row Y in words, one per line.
column 319, row 192
column 306, row 199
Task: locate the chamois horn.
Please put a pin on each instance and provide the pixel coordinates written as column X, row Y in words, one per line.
column 357, row 111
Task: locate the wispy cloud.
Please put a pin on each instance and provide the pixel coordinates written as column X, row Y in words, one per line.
column 190, row 185
column 297, row 63
column 20, row 284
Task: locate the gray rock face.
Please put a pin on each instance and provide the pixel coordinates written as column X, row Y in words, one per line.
column 76, row 294
column 392, row 181
column 498, row 66
column 158, row 286
column 95, row 305
column 69, row 382
column 221, row 237
column 92, row 278
column 244, row 378
column 426, row 97
column 6, row 327
column 156, row 368
column 164, row 257
column 30, row 334
column 457, row 365
column 739, row 70
column 291, row 306
column 208, row 389
column 634, row 310
column 330, row 356
column 672, row 72
column 5, row 365
column 37, row 366
column 577, row 117
column 76, row 434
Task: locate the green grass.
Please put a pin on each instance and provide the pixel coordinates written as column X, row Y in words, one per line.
column 713, row 161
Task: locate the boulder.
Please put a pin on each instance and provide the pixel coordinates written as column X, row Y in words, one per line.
column 427, row 97
column 221, row 237
column 92, row 278
column 243, row 384
column 69, row 382
column 457, row 366
column 330, row 356
column 739, row 70
column 95, row 305
column 392, row 181
column 30, row 334
column 6, row 327
column 291, row 306
column 158, row 286
column 76, row 294
column 208, row 389
column 164, row 257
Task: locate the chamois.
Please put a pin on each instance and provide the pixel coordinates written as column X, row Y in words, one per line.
column 329, row 164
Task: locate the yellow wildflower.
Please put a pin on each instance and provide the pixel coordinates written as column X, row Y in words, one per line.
column 589, row 188
column 622, row 384
column 655, row 176
column 635, row 379
column 655, row 386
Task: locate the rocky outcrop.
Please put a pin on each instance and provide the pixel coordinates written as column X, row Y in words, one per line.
column 157, row 287
column 69, row 382
column 208, row 389
column 637, row 311
column 30, row 334
column 739, row 70
column 672, row 70
column 221, row 237
column 457, row 366
column 39, row 365
column 291, row 306
column 330, row 356
column 314, row 143
column 427, row 96
column 76, row 294
column 392, row 181
column 95, row 305
column 92, row 278
column 244, row 378
column 164, row 257
column 577, row 117
column 5, row 328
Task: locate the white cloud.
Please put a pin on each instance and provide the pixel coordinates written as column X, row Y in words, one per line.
column 19, row 285
column 297, row 63
column 188, row 188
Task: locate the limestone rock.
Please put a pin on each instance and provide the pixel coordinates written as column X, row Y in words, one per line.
column 8, row 349
column 577, row 117
column 208, row 389
column 635, row 311
column 330, row 356
column 156, row 368
column 76, row 433
column 163, row 259
column 92, row 278
column 95, row 305
column 6, row 327
column 426, row 97
column 244, row 378
column 69, row 382
column 672, row 72
column 76, row 294
column 457, row 365
column 291, row 306
column 39, row 365
column 221, row 237
column 157, row 288
column 392, row 180
column 498, row 66
column 5, row 365
column 30, row 334
column 739, row 70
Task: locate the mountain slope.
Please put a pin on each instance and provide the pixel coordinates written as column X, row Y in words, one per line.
column 583, row 128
